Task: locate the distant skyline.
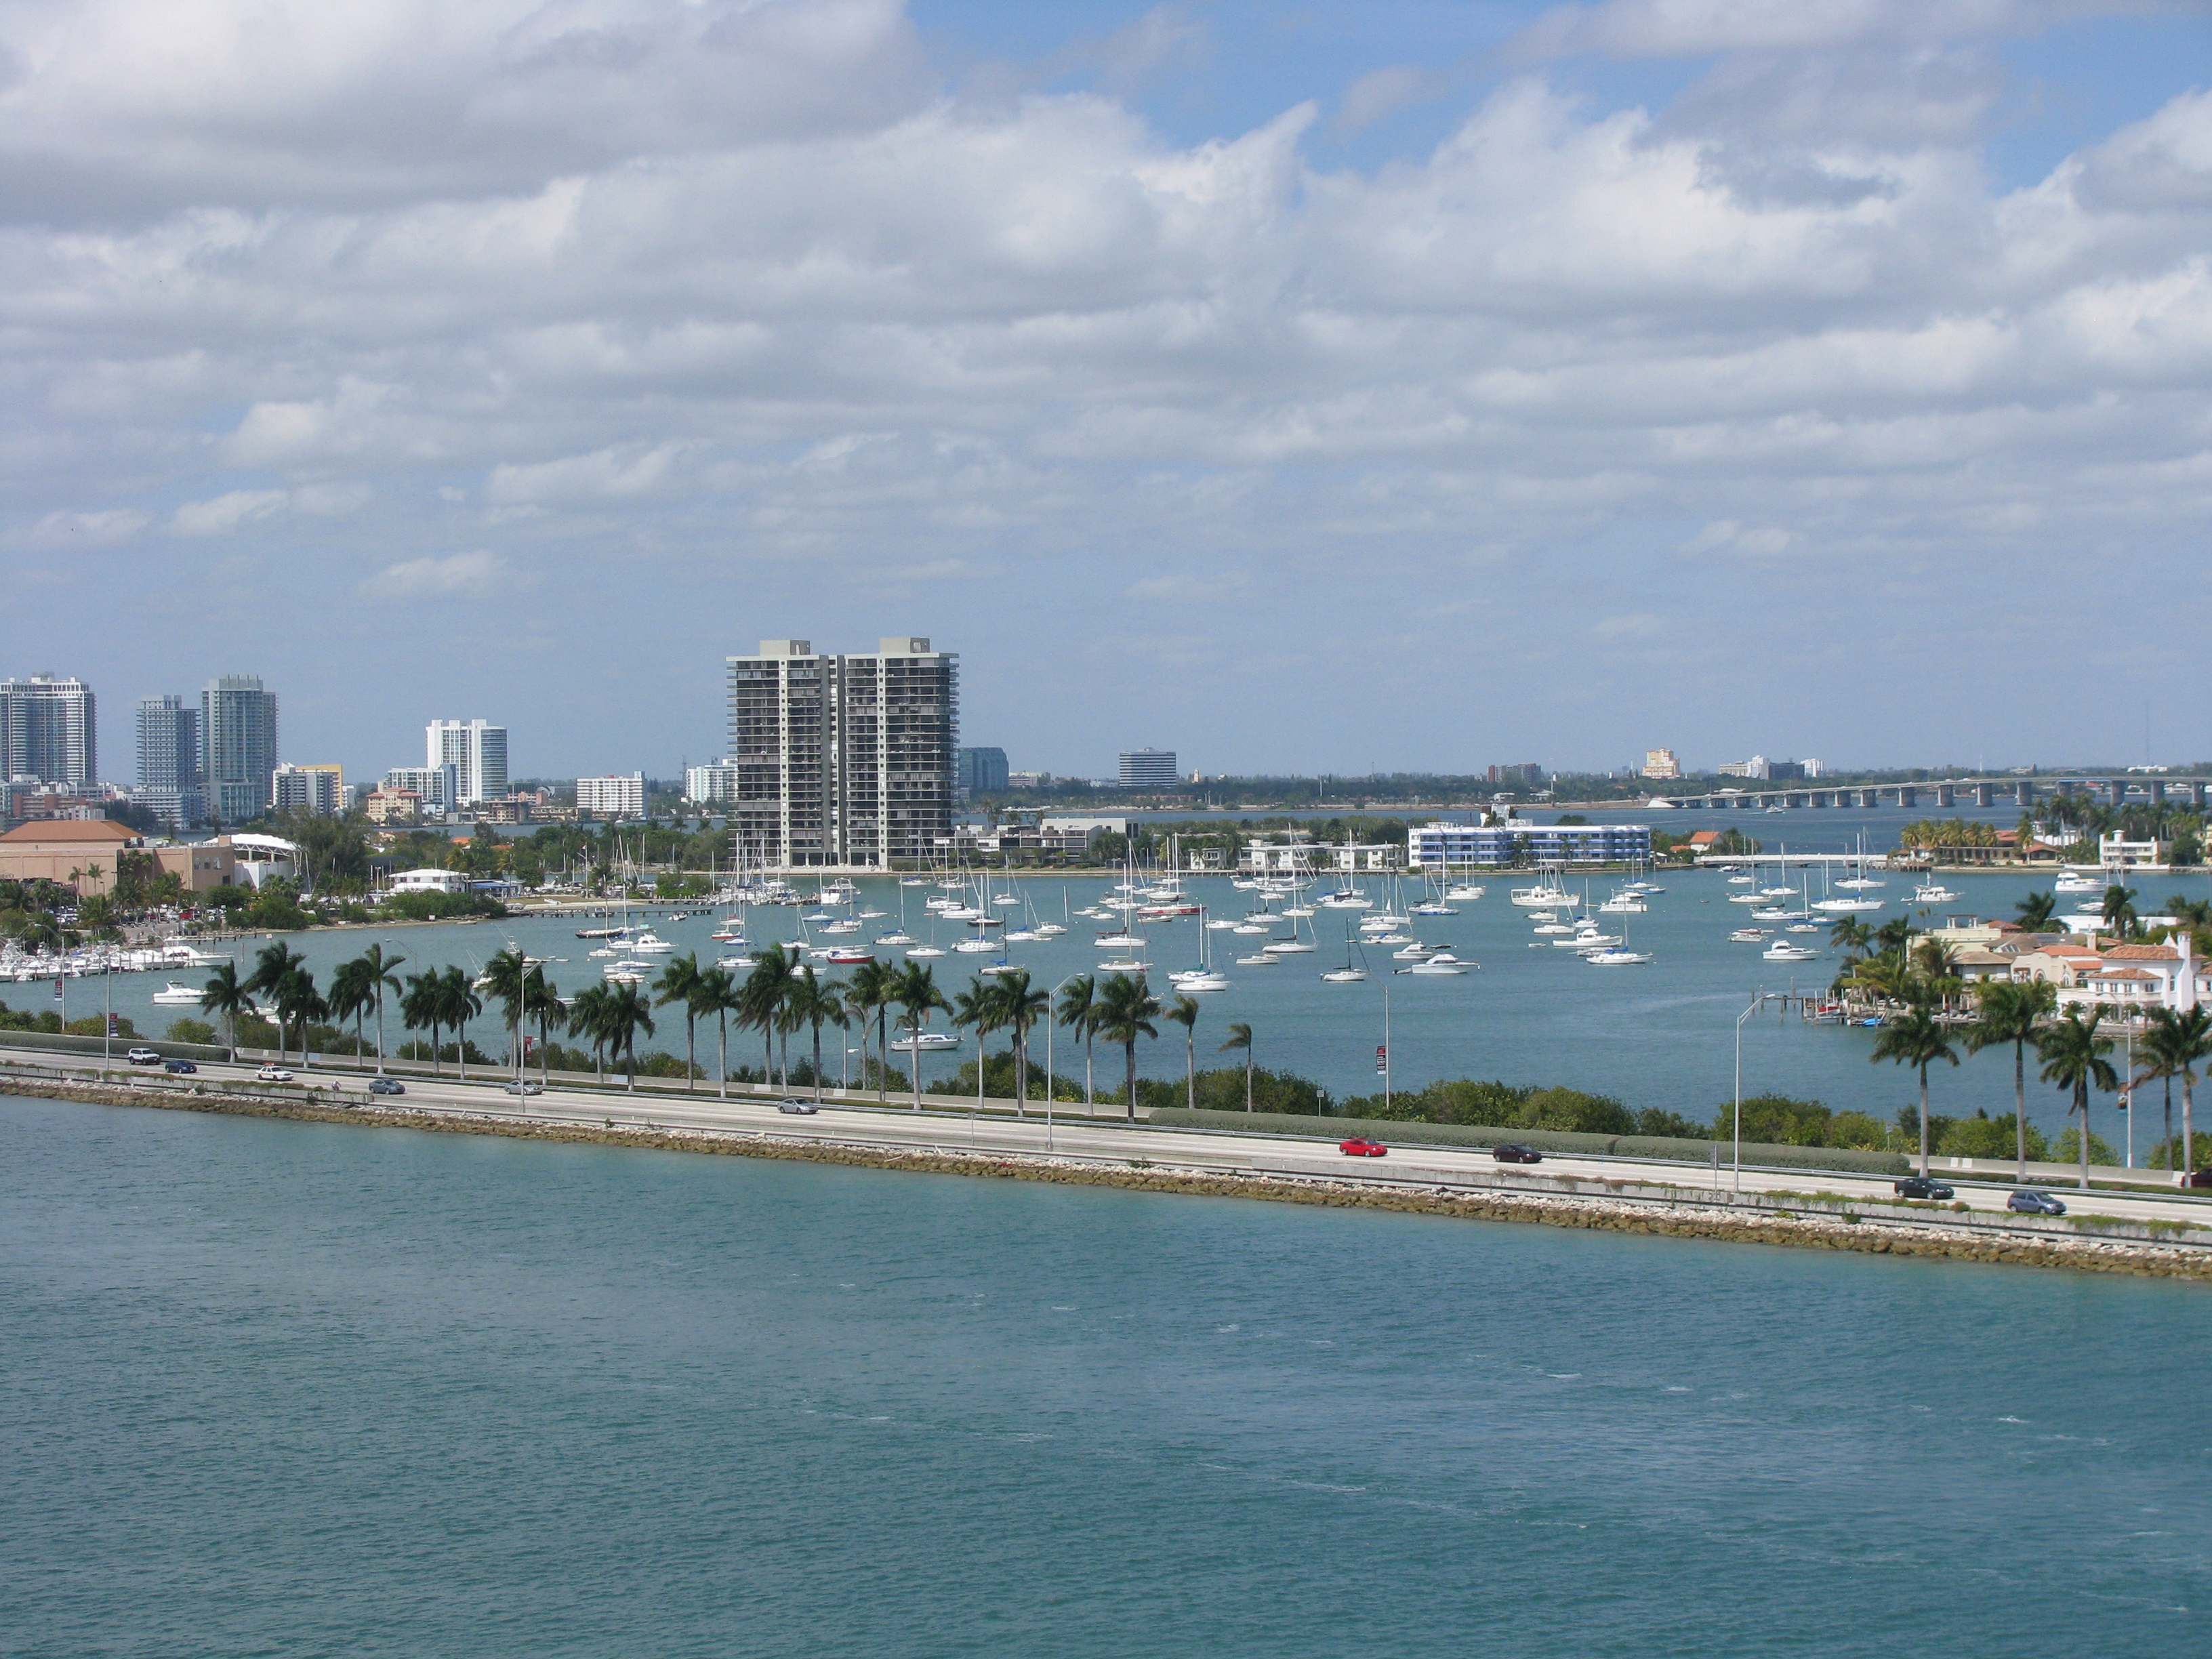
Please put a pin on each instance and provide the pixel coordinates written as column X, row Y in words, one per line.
column 1405, row 386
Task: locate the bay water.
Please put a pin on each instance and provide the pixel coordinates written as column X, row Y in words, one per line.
column 276, row 1388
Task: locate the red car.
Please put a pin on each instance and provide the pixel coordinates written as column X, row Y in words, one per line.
column 1359, row 1146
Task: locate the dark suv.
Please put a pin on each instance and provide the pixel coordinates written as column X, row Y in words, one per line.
column 1924, row 1187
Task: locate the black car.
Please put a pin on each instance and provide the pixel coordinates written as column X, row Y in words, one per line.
column 2027, row 1202
column 1512, row 1152
column 180, row 1068
column 1924, row 1187
column 386, row 1085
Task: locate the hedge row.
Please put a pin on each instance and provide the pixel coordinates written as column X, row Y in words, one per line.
column 1543, row 1140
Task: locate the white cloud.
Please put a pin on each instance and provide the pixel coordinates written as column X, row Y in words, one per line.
column 67, row 531
column 225, row 512
column 457, row 576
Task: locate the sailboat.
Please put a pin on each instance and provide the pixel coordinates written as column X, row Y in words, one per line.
column 1205, row 976
column 1347, row 974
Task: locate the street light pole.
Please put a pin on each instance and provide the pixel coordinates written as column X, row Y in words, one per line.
column 1757, row 1003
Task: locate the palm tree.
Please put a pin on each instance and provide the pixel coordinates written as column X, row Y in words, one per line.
column 918, row 993
column 1079, row 1000
column 225, row 995
column 507, row 976
column 298, row 1002
column 678, row 983
column 2011, row 1010
column 1126, row 1008
column 983, row 1007
column 868, row 994
column 381, row 973
column 542, row 1002
column 2192, row 1043
column 1022, row 1008
column 628, row 1010
column 1850, row 935
column 1184, row 1012
column 810, row 1002
column 459, row 1003
column 587, row 1017
column 718, row 992
column 2073, row 1056
column 2035, row 911
column 1240, row 1037
column 1916, row 1039
column 2119, row 911
column 1893, row 935
column 351, row 999
column 2160, row 1062
column 274, row 961
column 424, row 1005
column 765, row 989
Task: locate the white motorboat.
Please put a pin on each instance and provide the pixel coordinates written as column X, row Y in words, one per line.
column 894, row 940
column 1120, row 941
column 1801, row 926
column 1748, row 936
column 1934, row 892
column 848, row 955
column 1769, row 912
column 2079, row 881
column 1592, row 941
column 1624, row 904
column 1545, row 895
column 1287, row 947
column 1544, row 928
column 737, row 962
column 927, row 1043
column 173, row 995
column 1463, row 894
column 1434, row 910
column 1783, row 951
column 1846, row 907
column 971, row 947
column 1742, row 881
column 1416, row 951
column 1125, row 965
column 1442, row 965
column 649, row 944
column 926, row 951
column 1263, row 960
column 1620, row 957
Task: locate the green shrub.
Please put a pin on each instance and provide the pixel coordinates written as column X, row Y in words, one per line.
column 188, row 1029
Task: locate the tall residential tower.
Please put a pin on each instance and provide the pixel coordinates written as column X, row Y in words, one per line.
column 48, row 731
column 477, row 751
column 842, row 759
column 238, row 746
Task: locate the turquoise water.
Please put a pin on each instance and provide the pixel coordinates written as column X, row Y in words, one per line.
column 291, row 1389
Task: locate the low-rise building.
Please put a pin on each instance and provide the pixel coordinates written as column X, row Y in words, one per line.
column 428, row 881
column 611, row 797
column 389, row 805
column 1438, row 845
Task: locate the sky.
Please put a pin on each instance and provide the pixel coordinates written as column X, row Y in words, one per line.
column 1305, row 388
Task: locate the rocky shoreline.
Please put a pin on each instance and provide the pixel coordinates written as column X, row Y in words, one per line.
column 1686, row 1219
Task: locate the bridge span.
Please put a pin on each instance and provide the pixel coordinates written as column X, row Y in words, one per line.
column 1948, row 794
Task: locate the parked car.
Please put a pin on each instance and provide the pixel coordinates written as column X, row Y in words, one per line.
column 1360, row 1146
column 180, row 1068
column 798, row 1108
column 525, row 1086
column 142, row 1056
column 386, row 1085
column 1513, row 1152
column 2197, row 1178
column 2027, row 1202
column 1923, row 1187
column 272, row 1074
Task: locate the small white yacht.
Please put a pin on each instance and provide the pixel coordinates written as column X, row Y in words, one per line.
column 1783, row 951
column 173, row 995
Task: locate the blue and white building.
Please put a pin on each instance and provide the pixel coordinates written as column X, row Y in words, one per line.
column 1434, row 846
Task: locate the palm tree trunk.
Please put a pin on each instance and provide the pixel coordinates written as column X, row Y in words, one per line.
column 883, row 1056
column 817, row 1062
column 1021, row 1070
column 1131, row 1046
column 2169, row 1116
column 722, row 1058
column 982, row 1058
column 1090, row 1089
column 1924, row 1123
column 460, row 1048
column 690, row 1051
column 1247, row 1079
column 1190, row 1071
column 380, row 1030
column 2188, row 1100
column 915, row 1056
column 2019, row 1103
column 435, row 1046
column 2082, row 1105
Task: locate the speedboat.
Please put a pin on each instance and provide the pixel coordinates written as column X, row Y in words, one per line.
column 1444, row 963
column 843, row 954
column 173, row 995
column 1748, row 936
column 1783, row 951
column 2078, row 881
column 894, row 939
column 650, row 945
column 927, row 1042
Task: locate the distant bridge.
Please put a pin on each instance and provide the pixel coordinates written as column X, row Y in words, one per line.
column 1950, row 793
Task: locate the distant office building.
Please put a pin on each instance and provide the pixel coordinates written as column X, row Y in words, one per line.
column 612, row 798
column 1435, row 846
column 712, row 784
column 1813, row 768
column 1519, row 775
column 983, row 771
column 477, row 751
column 168, row 743
column 48, row 731
column 317, row 791
column 388, row 805
column 1149, row 768
column 437, row 787
column 843, row 759
column 1754, row 767
column 1660, row 765
column 238, row 746
column 1028, row 779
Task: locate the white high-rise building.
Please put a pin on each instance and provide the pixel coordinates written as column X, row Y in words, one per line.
column 48, row 731
column 713, row 782
column 477, row 751
column 1149, row 768
column 843, row 759
column 613, row 797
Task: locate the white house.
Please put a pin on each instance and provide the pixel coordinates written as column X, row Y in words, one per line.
column 429, row 881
